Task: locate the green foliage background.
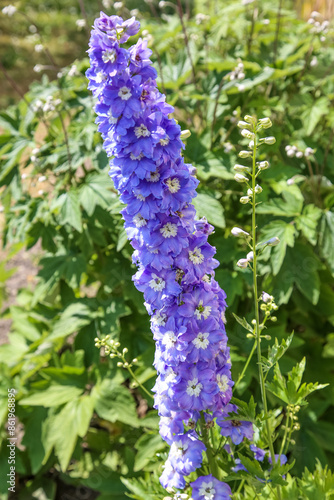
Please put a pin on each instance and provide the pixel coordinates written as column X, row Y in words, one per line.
column 87, row 428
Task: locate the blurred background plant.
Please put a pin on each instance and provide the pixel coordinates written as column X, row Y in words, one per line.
column 85, row 429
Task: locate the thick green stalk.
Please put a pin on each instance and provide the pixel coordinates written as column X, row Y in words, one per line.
column 214, row 469
column 256, row 305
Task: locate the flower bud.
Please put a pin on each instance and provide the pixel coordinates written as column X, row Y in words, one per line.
column 250, row 256
column 242, row 263
column 240, row 168
column 245, row 154
column 240, row 178
column 237, row 231
column 249, row 119
column 253, row 322
column 263, row 165
column 273, row 319
column 244, row 199
column 250, row 192
column 258, row 189
column 247, row 133
column 125, row 350
column 251, row 144
column 265, row 122
column 273, row 242
column 185, row 134
column 242, row 124
column 135, row 360
column 266, row 297
column 269, row 140
column 120, row 364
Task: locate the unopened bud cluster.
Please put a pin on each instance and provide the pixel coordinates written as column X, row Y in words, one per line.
column 110, row 348
column 293, row 151
column 318, row 25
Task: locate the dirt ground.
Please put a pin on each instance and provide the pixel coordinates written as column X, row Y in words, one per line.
column 25, row 274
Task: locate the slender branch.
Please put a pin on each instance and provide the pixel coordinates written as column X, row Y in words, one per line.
column 241, row 376
column 186, row 39
column 139, row 384
column 278, row 23
column 214, row 469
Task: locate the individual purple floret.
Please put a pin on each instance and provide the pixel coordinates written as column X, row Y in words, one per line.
column 209, row 488
column 175, row 261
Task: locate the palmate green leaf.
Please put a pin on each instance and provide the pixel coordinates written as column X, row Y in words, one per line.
column 312, row 114
column 147, row 445
column 290, row 390
column 252, row 466
column 307, row 222
column 317, row 485
column 65, row 427
column 208, row 206
column 109, row 318
column 286, row 233
column 139, row 488
column 288, row 206
column 74, row 317
column 114, row 402
column 246, row 411
column 55, row 395
column 69, row 209
column 275, row 352
column 96, row 191
column 32, row 438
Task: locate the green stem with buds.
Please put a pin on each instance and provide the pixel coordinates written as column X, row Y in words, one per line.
column 138, row 383
column 256, row 305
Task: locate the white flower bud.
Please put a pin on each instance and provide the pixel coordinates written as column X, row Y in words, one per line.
column 249, row 119
column 308, row 152
column 185, row 134
column 9, row 10
column 263, row 165
column 265, row 122
column 247, row 133
column 42, row 178
column 249, row 192
column 251, row 144
column 240, row 168
column 245, row 154
column 299, row 154
column 241, row 178
column 237, row 231
column 242, row 263
column 39, row 47
column 313, row 62
column 244, row 199
column 125, row 350
column 250, row 256
column 269, row 140
column 242, row 124
column 258, row 189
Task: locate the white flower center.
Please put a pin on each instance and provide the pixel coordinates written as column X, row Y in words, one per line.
column 159, row 319
column 100, row 77
column 154, row 176
column 169, row 230
column 140, row 197
column 194, row 387
column 196, row 256
column 201, row 341
column 142, row 131
column 139, row 220
column 169, row 339
column 178, row 448
column 109, row 56
column 164, row 142
column 124, row 93
column 112, row 119
column 207, row 491
column 173, row 185
column 222, row 381
column 170, row 375
column 138, row 158
column 202, row 310
column 157, row 284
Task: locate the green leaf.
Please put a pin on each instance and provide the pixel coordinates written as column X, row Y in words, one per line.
column 328, row 351
column 209, row 207
column 252, row 466
column 275, row 352
column 308, row 222
column 55, row 395
column 147, row 445
column 289, row 206
column 69, row 209
column 74, row 317
column 326, row 238
column 96, row 191
column 286, row 234
column 244, row 323
column 312, row 114
column 115, row 403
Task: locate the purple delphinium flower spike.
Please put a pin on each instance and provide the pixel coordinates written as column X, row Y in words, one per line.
column 175, row 261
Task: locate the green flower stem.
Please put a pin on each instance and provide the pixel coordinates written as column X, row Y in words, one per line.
column 256, row 305
column 285, row 435
column 213, row 466
column 139, row 384
column 242, row 374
